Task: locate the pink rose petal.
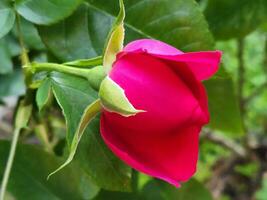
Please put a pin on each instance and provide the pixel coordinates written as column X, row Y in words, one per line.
column 202, row 64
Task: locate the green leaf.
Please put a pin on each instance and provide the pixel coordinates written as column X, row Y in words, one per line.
column 74, row 94
column 80, row 36
column 89, row 113
column 30, row 35
column 104, row 195
column 6, row 65
column 114, row 43
column 191, row 190
column 28, row 176
column 13, row 45
column 168, row 21
column 12, row 84
column 71, row 39
column 7, row 18
column 113, row 98
column 225, row 115
column 232, row 18
column 46, row 12
column 91, row 62
column 43, row 94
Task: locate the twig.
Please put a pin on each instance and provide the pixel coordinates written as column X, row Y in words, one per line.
column 226, row 142
column 9, row 163
column 241, row 75
column 222, row 175
column 19, row 123
column 21, row 120
column 24, row 53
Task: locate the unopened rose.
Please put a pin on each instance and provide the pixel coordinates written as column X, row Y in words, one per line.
column 166, row 83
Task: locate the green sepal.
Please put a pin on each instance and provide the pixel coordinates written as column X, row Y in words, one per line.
column 113, row 99
column 86, row 63
column 114, row 43
column 7, row 19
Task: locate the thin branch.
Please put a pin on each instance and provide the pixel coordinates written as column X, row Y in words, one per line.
column 9, row 163
column 24, row 53
column 19, row 123
column 21, row 120
column 225, row 142
column 241, row 75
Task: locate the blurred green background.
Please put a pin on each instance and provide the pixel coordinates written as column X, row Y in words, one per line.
column 233, row 147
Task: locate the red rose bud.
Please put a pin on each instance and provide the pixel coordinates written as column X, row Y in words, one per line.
column 158, row 135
